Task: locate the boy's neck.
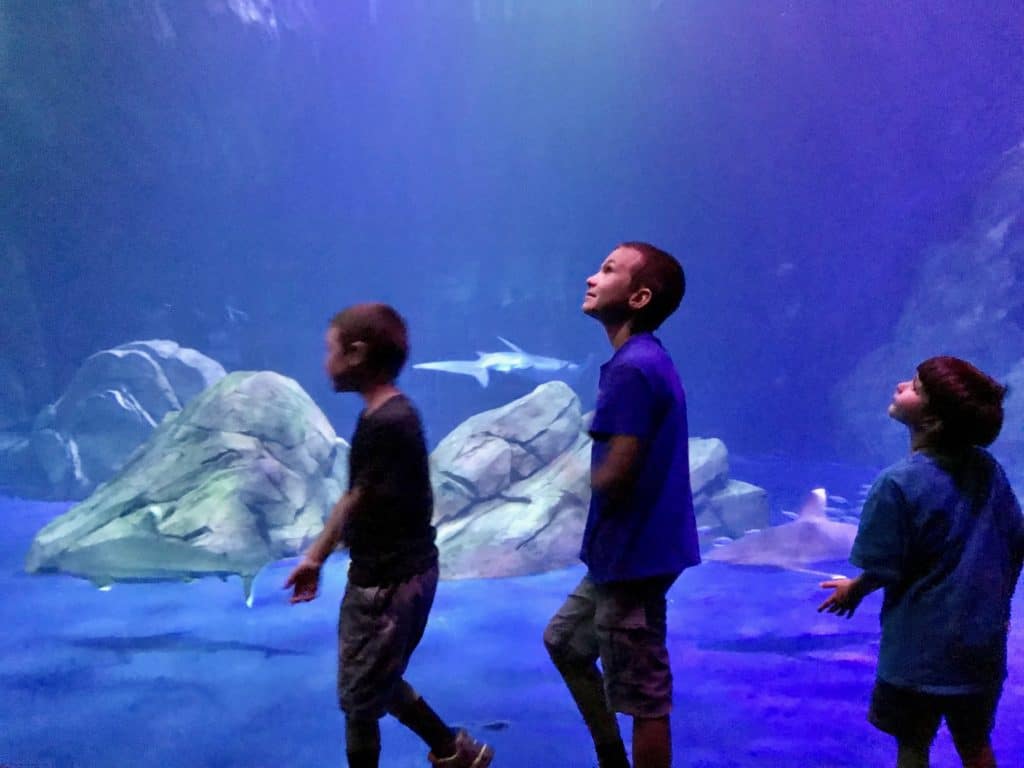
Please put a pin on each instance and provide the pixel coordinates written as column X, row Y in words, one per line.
column 376, row 394
column 918, row 441
column 619, row 333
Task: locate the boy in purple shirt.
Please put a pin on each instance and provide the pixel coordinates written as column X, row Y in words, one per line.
column 641, row 531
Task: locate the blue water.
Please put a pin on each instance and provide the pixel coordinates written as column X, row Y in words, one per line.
column 180, row 675
column 228, row 174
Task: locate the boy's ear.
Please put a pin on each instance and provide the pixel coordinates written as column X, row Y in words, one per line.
column 358, row 350
column 640, row 298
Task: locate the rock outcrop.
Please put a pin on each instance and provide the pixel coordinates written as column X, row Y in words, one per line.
column 243, row 476
column 247, row 472
column 968, row 301
column 512, row 487
column 111, row 407
column 725, row 508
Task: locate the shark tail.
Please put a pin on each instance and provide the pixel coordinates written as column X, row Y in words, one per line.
column 464, row 367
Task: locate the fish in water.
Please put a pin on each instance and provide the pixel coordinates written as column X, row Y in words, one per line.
column 811, row 538
column 512, row 360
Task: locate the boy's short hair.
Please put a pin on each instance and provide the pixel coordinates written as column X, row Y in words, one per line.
column 383, row 331
column 967, row 402
column 663, row 275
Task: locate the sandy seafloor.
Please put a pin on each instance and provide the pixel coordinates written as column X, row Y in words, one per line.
column 185, row 675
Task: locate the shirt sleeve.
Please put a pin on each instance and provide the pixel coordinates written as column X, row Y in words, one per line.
column 881, row 544
column 625, row 405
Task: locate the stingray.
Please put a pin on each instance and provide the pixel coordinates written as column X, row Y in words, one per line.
column 811, row 538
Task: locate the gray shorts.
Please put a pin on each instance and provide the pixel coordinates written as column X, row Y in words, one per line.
column 623, row 624
column 378, row 629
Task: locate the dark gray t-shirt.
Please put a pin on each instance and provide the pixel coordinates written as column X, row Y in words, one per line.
column 390, row 537
column 946, row 537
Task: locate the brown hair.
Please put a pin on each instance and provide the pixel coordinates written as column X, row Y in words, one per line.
column 383, row 331
column 966, row 403
column 663, row 276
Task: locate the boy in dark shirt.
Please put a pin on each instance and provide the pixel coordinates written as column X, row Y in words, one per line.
column 942, row 532
column 641, row 531
column 385, row 519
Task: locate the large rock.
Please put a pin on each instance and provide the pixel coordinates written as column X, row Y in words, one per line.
column 243, row 476
column 512, row 488
column 111, row 407
column 725, row 508
column 534, row 525
column 968, row 301
column 732, row 510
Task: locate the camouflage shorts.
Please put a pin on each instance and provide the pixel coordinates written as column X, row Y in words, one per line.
column 623, row 624
column 378, row 629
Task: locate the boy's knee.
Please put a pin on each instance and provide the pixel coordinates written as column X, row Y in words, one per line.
column 556, row 644
column 361, row 735
column 403, row 700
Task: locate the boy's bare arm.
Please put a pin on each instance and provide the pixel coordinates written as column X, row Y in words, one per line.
column 616, row 474
column 305, row 578
column 334, row 528
column 848, row 593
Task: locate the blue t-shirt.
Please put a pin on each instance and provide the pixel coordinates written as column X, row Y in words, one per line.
column 946, row 537
column 654, row 532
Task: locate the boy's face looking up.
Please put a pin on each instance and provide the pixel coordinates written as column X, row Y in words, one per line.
column 342, row 360
column 610, row 296
column 909, row 403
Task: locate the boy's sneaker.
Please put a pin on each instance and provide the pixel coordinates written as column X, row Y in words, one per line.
column 469, row 753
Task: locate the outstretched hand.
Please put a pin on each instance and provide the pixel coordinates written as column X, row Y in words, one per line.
column 306, row 581
column 845, row 599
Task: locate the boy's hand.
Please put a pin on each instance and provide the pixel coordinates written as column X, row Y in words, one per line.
column 305, row 579
column 845, row 599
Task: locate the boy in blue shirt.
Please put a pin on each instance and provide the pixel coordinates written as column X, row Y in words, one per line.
column 942, row 533
column 385, row 520
column 641, row 531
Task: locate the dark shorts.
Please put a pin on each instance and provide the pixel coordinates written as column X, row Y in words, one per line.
column 914, row 716
column 623, row 624
column 378, row 629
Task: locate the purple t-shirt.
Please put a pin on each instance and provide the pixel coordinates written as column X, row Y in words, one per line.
column 654, row 531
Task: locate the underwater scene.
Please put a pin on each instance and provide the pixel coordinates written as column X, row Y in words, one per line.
column 194, row 189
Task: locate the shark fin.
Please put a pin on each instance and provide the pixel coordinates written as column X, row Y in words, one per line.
column 464, row 367
column 510, row 345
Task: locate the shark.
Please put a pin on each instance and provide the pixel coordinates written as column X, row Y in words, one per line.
column 511, row 360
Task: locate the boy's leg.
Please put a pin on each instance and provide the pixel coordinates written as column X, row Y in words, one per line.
column 378, row 629
column 408, row 609
column 977, row 755
column 910, row 754
column 631, row 630
column 571, row 641
column 415, row 714
column 362, row 742
column 447, row 748
column 652, row 742
column 912, row 717
column 970, row 719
